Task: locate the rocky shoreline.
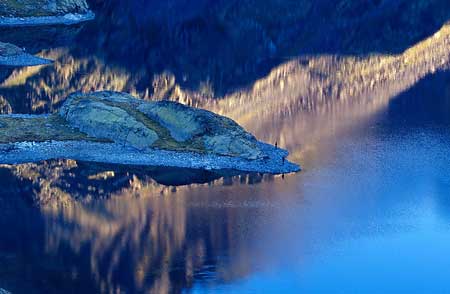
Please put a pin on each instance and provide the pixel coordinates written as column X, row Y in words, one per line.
column 67, row 19
column 112, row 127
column 113, row 153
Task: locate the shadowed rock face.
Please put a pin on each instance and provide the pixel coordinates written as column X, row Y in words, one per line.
column 27, row 8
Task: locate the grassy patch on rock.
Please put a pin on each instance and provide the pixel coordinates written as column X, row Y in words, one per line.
column 39, row 129
column 165, row 140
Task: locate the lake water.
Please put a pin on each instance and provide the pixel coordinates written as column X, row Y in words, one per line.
column 369, row 213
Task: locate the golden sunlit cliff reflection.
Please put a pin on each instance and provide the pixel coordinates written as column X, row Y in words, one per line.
column 163, row 237
column 160, row 237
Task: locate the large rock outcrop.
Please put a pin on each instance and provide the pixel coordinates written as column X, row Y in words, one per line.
column 118, row 128
column 168, row 125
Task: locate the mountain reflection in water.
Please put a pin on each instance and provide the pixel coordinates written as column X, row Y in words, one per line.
column 139, row 239
column 228, row 235
column 371, row 205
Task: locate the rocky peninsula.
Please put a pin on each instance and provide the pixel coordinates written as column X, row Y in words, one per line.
column 43, row 12
column 112, row 127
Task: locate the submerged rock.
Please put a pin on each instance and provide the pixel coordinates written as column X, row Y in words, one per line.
column 43, row 12
column 11, row 55
column 118, row 128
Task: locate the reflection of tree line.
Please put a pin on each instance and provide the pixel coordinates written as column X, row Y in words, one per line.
column 157, row 244
column 232, row 44
column 220, row 46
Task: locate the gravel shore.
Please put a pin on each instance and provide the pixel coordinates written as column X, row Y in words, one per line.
column 23, row 152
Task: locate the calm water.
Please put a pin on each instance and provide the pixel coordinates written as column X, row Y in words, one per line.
column 370, row 213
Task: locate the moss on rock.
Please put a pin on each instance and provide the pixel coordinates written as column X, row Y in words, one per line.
column 14, row 129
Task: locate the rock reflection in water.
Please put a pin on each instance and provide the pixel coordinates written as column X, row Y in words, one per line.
column 144, row 237
column 59, row 182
